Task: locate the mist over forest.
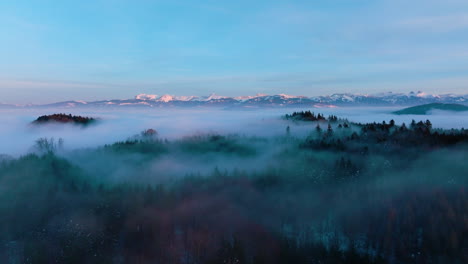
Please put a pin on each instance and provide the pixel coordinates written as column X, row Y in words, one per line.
column 351, row 185
column 234, row 132
column 17, row 135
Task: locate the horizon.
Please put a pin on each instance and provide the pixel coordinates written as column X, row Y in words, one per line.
column 189, row 97
column 123, row 48
column 176, row 185
column 248, row 132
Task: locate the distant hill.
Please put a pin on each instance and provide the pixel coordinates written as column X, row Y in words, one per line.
column 64, row 118
column 424, row 109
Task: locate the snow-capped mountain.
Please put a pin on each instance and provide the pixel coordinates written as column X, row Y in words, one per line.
column 388, row 99
column 169, row 98
column 146, row 97
column 264, row 100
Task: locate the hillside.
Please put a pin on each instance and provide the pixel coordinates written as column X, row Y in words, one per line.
column 64, row 118
column 424, row 109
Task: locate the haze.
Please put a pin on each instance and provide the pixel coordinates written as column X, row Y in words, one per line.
column 17, row 136
column 275, row 178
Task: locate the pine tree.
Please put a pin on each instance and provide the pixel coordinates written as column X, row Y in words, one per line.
column 329, row 130
column 318, row 128
column 428, row 124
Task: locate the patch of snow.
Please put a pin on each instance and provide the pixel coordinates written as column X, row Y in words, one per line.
column 214, row 96
column 186, row 98
column 289, row 96
column 342, row 97
column 244, row 98
column 146, row 97
column 165, row 98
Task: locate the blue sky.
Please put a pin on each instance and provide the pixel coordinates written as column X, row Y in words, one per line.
column 104, row 49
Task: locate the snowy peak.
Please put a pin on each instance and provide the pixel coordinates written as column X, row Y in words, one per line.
column 343, row 97
column 165, row 98
column 425, row 95
column 264, row 100
column 186, row 98
column 243, row 98
column 287, row 96
column 214, row 96
column 146, row 97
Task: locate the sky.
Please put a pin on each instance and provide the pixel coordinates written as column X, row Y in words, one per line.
column 110, row 49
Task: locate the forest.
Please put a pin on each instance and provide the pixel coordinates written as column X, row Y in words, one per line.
column 64, row 118
column 344, row 193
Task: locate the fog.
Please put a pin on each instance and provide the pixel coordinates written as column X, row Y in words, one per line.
column 17, row 136
column 233, row 186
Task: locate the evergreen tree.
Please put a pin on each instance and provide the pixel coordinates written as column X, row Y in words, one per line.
column 329, row 130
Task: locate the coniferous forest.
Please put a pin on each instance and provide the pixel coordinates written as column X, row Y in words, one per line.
column 344, row 193
column 64, row 118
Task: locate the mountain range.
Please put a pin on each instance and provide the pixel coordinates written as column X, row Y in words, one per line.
column 263, row 100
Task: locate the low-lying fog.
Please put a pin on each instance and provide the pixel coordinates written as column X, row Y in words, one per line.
column 368, row 194
column 17, row 135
